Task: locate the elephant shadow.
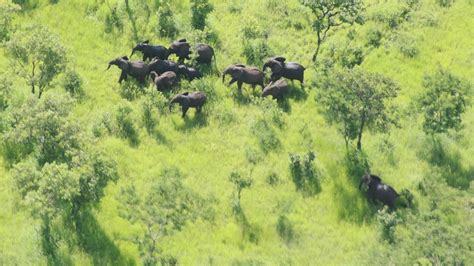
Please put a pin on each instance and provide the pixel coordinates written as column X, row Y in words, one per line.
column 450, row 164
column 352, row 204
column 297, row 93
column 199, row 120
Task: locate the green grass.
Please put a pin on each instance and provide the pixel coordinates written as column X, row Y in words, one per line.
column 331, row 228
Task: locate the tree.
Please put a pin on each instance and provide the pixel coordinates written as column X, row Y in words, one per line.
column 200, row 9
column 444, row 102
column 357, row 100
column 331, row 14
column 38, row 57
column 240, row 183
column 6, row 18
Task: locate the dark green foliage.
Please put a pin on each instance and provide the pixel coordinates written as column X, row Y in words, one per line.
column 255, row 44
column 162, row 211
column 73, row 84
column 445, row 3
column 7, row 11
column 393, row 15
column 240, row 183
column 304, row 174
column 266, row 135
column 131, row 90
column 357, row 164
column 113, row 20
column 356, row 100
column 332, row 14
column 388, row 221
column 166, row 22
column 125, row 125
column 6, row 91
column 38, row 57
column 374, row 37
column 406, row 199
column 273, row 179
column 148, row 116
column 26, row 4
column 285, row 229
column 200, row 9
column 444, row 101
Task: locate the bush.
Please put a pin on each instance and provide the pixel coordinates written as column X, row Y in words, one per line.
column 444, row 101
column 357, row 163
column 200, row 9
column 6, row 91
column 73, row 84
column 273, row 179
column 266, row 136
column 374, row 37
column 113, row 20
column 125, row 126
column 444, row 3
column 304, row 174
column 6, row 18
column 388, row 221
column 406, row 199
column 104, row 125
column 255, row 51
column 285, row 229
column 149, row 113
column 166, row 25
column 131, row 90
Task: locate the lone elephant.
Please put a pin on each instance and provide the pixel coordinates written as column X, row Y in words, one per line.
column 187, row 100
column 205, row 53
column 290, row 70
column 136, row 69
column 181, row 49
column 190, row 73
column 165, row 81
column 378, row 191
column 242, row 74
column 277, row 89
column 150, row 51
column 161, row 66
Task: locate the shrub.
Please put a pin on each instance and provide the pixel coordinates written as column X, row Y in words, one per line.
column 131, row 90
column 125, row 126
column 304, row 174
column 444, row 3
column 6, row 91
column 104, row 125
column 374, row 37
column 113, row 20
column 357, row 163
column 255, row 51
column 200, row 9
column 148, row 115
column 388, row 221
column 6, row 18
column 285, row 229
column 406, row 199
column 266, row 136
column 166, row 25
column 273, row 179
column 73, row 84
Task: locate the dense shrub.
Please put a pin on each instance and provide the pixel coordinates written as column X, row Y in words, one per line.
column 255, row 43
column 73, row 84
column 305, row 175
column 388, row 221
column 200, row 9
column 166, row 22
column 125, row 126
column 6, row 91
column 357, row 163
column 105, row 124
column 113, row 20
column 266, row 135
column 444, row 3
column 285, row 229
column 374, row 37
column 7, row 11
column 131, row 90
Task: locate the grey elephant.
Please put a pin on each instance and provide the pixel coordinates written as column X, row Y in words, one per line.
column 165, row 81
column 187, row 100
column 150, row 51
column 136, row 69
column 290, row 70
column 181, row 49
column 243, row 74
column 189, row 73
column 378, row 191
column 161, row 66
column 204, row 54
column 277, row 89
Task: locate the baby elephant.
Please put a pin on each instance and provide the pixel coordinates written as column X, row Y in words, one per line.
column 190, row 73
column 376, row 190
column 186, row 100
column 165, row 81
column 277, row 89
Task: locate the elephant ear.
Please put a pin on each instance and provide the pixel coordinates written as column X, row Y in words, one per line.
column 182, row 40
column 277, row 67
column 125, row 58
column 376, row 178
column 280, row 59
column 147, row 41
column 185, row 93
column 239, row 65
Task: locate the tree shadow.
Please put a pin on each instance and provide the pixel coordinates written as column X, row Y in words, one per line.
column 450, row 164
column 199, row 120
column 95, row 242
column 161, row 138
column 250, row 232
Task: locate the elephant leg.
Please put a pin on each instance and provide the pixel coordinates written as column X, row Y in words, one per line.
column 232, row 81
column 123, row 76
column 145, row 57
column 239, row 85
column 184, row 109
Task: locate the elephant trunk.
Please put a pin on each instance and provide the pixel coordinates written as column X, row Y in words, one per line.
column 133, row 51
column 226, row 71
column 109, row 66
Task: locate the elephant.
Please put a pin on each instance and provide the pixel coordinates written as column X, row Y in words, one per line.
column 136, row 69
column 376, row 190
column 165, row 81
column 277, row 89
column 189, row 73
column 181, row 48
column 151, row 51
column 205, row 53
column 242, row 74
column 186, row 100
column 288, row 70
column 161, row 66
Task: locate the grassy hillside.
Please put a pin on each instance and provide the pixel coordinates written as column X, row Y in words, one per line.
column 334, row 227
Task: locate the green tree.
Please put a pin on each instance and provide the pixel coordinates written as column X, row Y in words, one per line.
column 6, row 20
column 38, row 57
column 330, row 14
column 200, row 9
column 444, row 101
column 357, row 100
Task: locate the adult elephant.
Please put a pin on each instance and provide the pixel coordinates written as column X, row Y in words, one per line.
column 243, row 74
column 161, row 66
column 189, row 100
column 205, row 53
column 290, row 70
column 181, row 49
column 165, row 81
column 136, row 69
column 150, row 51
column 277, row 89
column 378, row 191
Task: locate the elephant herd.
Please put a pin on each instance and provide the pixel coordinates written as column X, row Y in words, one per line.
column 165, row 74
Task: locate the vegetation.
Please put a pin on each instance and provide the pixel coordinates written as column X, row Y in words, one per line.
column 100, row 173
